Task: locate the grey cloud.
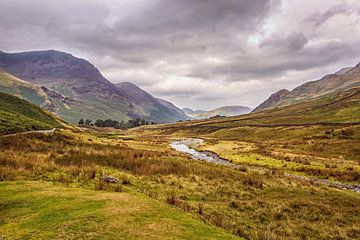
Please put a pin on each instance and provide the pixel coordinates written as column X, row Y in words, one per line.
column 242, row 68
column 151, row 41
column 293, row 42
column 321, row 17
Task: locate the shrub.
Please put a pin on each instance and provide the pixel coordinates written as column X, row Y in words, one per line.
column 253, row 180
column 6, row 174
column 99, row 185
column 172, row 200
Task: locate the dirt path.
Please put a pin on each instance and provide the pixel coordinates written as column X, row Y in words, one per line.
column 29, row 132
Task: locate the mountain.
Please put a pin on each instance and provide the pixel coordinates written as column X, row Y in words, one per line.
column 227, row 111
column 17, row 115
column 189, row 111
column 273, row 100
column 41, row 96
column 157, row 109
column 344, row 79
column 92, row 95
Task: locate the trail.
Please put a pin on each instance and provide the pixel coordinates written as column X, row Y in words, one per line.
column 187, row 146
column 29, row 132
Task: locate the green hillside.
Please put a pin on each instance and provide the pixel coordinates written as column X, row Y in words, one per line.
column 22, row 89
column 329, row 84
column 17, row 115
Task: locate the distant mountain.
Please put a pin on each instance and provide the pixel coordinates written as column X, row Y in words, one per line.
column 92, row 95
column 227, row 111
column 189, row 111
column 344, row 79
column 157, row 109
column 18, row 115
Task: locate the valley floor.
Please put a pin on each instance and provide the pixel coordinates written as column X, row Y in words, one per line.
column 51, row 184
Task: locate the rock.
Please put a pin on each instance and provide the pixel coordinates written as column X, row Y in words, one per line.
column 109, row 179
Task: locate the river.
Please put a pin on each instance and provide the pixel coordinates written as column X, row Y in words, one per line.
column 188, row 146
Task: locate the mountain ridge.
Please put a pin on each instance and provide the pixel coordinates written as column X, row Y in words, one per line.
column 76, row 78
column 343, row 79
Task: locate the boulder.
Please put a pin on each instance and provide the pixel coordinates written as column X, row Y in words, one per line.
column 109, row 179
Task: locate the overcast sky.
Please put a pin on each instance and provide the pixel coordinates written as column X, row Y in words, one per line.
column 196, row 53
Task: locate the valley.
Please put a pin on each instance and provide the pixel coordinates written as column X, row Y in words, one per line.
column 271, row 179
column 179, row 120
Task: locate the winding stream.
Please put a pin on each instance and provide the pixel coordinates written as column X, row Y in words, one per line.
column 187, row 146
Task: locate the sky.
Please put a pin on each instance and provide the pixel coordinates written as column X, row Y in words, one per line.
column 200, row 54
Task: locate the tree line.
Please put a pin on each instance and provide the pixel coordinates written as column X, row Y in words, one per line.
column 132, row 123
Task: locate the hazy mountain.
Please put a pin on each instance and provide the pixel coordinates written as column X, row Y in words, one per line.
column 79, row 80
column 227, row 111
column 344, row 79
column 189, row 111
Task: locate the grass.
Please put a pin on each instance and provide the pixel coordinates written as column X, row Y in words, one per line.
column 17, row 115
column 196, row 198
column 44, row 210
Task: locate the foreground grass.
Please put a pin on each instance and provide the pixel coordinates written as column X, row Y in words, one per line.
column 42, row 210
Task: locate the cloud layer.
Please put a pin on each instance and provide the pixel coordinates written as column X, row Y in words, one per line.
column 196, row 53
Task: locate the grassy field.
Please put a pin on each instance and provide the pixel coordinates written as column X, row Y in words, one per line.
column 51, row 183
column 158, row 187
column 17, row 115
column 43, row 210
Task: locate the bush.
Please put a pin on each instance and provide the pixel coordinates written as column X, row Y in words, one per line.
column 253, row 180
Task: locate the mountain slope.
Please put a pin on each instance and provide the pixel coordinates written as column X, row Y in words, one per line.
column 17, row 115
column 338, row 109
column 79, row 80
column 344, row 79
column 227, row 111
column 273, row 100
column 38, row 95
column 156, row 109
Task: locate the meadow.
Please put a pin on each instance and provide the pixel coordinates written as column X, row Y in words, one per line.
column 163, row 191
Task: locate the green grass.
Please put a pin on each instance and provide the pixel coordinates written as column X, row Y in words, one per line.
column 14, row 86
column 41, row 210
column 17, row 115
column 66, row 167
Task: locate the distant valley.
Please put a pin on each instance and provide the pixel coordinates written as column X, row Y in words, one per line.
column 226, row 111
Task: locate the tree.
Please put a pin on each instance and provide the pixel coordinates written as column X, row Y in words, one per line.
column 99, row 123
column 81, row 122
column 88, row 122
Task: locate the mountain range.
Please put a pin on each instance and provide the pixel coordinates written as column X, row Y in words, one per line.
column 330, row 84
column 73, row 88
column 226, row 111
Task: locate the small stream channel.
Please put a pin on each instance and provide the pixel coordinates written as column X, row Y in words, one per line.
column 188, row 146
